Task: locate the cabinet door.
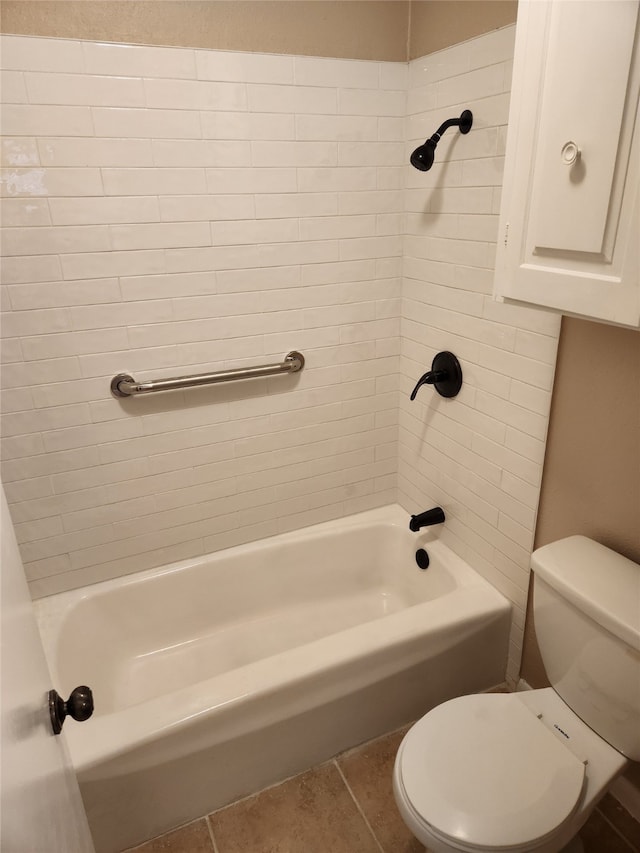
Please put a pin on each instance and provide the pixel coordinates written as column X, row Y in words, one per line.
column 569, row 226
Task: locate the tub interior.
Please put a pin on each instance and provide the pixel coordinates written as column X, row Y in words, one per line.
column 153, row 635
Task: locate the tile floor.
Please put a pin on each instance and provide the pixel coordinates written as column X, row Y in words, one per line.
column 347, row 806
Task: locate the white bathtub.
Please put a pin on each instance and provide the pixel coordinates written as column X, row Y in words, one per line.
column 218, row 676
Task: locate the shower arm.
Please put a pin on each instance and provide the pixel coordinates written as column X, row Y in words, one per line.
column 450, row 122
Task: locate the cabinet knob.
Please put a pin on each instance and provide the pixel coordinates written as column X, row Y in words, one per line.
column 570, row 153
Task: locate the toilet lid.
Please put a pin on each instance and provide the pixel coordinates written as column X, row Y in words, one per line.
column 483, row 770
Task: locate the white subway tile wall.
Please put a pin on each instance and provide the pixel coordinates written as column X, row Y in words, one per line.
column 479, row 456
column 169, row 211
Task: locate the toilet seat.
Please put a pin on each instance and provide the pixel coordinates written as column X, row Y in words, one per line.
column 483, row 771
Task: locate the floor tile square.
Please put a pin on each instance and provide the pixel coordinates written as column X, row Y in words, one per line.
column 312, row 813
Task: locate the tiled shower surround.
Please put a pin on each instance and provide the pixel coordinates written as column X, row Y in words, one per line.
column 172, row 211
column 481, row 454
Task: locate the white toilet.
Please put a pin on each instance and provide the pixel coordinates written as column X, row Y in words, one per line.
column 522, row 771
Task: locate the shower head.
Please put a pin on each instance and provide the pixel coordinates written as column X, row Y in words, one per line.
column 422, row 157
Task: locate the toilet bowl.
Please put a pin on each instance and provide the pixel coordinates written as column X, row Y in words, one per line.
column 522, row 771
column 510, row 772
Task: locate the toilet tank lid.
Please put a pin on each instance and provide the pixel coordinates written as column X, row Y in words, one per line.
column 600, row 582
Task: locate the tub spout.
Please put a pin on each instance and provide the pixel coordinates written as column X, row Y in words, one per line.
column 426, row 518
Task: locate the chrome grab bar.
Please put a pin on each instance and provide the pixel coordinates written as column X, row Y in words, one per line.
column 124, row 385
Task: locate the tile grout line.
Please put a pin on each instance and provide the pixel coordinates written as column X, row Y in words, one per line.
column 357, row 804
column 163, row 835
column 211, row 835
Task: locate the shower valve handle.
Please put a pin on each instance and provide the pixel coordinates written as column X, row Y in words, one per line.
column 79, row 705
column 429, row 378
column 445, row 375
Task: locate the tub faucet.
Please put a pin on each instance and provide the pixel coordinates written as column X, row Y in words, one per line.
column 426, row 518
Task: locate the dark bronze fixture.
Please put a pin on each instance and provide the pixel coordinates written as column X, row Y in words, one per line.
column 445, row 375
column 427, row 518
column 422, row 157
column 79, row 705
column 422, row 558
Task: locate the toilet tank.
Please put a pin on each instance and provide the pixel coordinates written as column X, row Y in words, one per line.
column 586, row 608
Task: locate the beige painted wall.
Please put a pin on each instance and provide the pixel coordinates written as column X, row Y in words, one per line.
column 436, row 24
column 356, row 29
column 359, row 29
column 591, row 480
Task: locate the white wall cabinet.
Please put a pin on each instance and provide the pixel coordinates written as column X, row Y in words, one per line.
column 569, row 235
